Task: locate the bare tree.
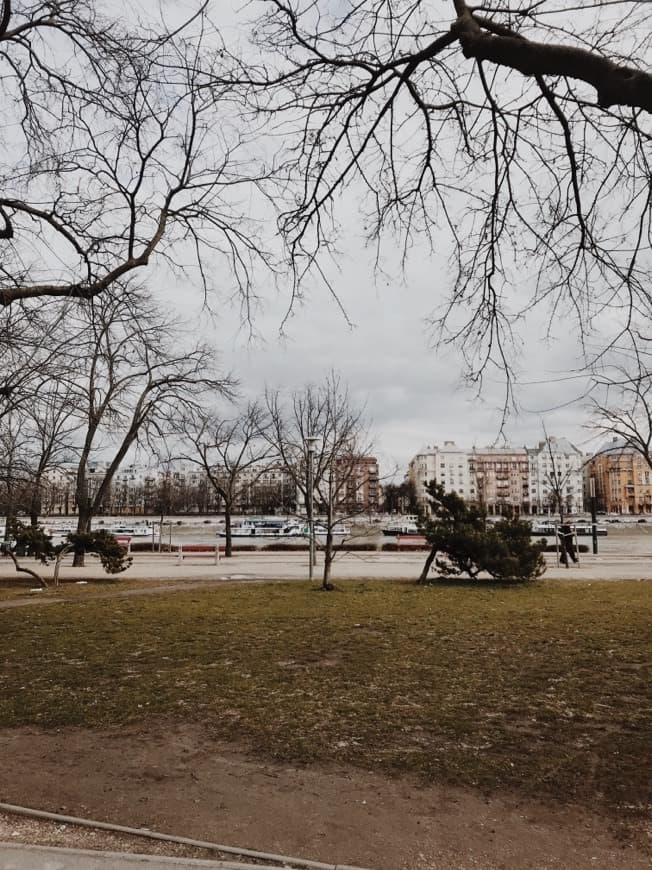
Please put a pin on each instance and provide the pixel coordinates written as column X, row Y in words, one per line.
column 623, row 404
column 514, row 134
column 15, row 471
column 232, row 453
column 116, row 150
column 137, row 380
column 37, row 396
column 320, row 436
column 50, row 426
column 33, row 353
column 557, row 480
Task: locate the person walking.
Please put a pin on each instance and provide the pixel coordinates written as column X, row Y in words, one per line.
column 565, row 535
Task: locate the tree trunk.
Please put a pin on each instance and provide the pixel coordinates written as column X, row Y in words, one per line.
column 31, row 573
column 328, row 558
column 35, row 504
column 423, row 577
column 10, row 520
column 83, row 527
column 228, row 544
column 58, row 561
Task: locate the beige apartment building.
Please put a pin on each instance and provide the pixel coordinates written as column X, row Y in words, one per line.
column 622, row 478
column 502, row 479
column 359, row 488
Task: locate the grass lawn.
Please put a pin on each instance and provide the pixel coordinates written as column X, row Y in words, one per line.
column 543, row 688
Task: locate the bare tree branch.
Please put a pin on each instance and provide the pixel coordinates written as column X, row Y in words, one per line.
column 115, row 156
column 513, row 135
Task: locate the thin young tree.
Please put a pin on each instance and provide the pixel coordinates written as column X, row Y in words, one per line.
column 15, row 469
column 320, row 435
column 515, row 135
column 232, row 452
column 556, row 479
column 51, row 426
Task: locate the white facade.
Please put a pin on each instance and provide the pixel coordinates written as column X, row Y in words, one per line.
column 556, row 467
column 423, row 469
column 448, row 465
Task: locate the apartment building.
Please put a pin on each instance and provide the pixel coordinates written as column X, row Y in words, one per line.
column 184, row 487
column 448, row 465
column 622, row 479
column 421, row 470
column 556, row 474
column 503, row 480
column 136, row 489
column 359, row 488
column 502, row 476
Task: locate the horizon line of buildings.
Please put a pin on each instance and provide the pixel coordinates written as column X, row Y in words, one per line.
column 183, row 487
column 500, row 480
column 553, row 475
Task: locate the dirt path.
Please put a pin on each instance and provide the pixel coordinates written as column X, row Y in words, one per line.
column 174, row 777
column 156, row 588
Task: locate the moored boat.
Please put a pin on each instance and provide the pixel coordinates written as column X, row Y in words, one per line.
column 261, row 529
column 288, row 528
column 132, row 531
column 407, row 525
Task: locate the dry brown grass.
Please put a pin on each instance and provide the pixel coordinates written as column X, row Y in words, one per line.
column 544, row 688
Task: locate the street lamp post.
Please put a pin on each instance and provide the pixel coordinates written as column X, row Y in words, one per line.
column 310, row 441
column 594, row 528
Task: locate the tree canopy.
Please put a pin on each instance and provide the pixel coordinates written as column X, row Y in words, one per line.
column 462, row 543
column 514, row 135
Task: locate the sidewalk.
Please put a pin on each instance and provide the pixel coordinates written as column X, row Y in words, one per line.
column 18, row 857
column 265, row 565
column 15, row 856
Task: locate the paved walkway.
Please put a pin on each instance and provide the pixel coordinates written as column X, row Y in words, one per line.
column 292, row 566
column 17, row 857
column 257, row 566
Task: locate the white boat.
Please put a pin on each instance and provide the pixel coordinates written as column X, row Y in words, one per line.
column 58, row 530
column 132, row 531
column 543, row 529
column 407, row 525
column 262, row 529
column 279, row 529
column 339, row 530
column 584, row 529
column 58, row 534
